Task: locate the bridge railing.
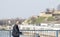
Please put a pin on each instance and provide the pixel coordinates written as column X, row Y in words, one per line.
column 32, row 33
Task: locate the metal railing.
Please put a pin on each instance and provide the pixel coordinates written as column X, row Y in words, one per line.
column 32, row 33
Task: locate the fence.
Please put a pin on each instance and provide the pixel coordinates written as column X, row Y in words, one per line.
column 32, row 33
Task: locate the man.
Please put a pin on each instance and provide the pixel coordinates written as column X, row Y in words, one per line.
column 15, row 31
column 37, row 35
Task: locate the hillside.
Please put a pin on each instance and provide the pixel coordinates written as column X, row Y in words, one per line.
column 39, row 19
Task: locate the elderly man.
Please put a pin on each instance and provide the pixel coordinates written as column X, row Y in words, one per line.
column 15, row 31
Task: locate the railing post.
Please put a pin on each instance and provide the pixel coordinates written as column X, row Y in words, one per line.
column 10, row 33
column 56, row 33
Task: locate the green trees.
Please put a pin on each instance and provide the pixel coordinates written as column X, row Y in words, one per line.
column 40, row 19
column 50, row 19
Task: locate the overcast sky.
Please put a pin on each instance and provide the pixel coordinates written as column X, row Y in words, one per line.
column 24, row 8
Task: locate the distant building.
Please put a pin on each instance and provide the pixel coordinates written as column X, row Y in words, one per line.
column 43, row 14
column 56, row 14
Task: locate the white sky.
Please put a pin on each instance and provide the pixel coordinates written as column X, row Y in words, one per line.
column 24, row 8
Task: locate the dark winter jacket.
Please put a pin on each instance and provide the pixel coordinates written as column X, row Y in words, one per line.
column 15, row 31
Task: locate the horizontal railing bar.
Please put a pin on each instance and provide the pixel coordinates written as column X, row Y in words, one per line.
column 32, row 30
